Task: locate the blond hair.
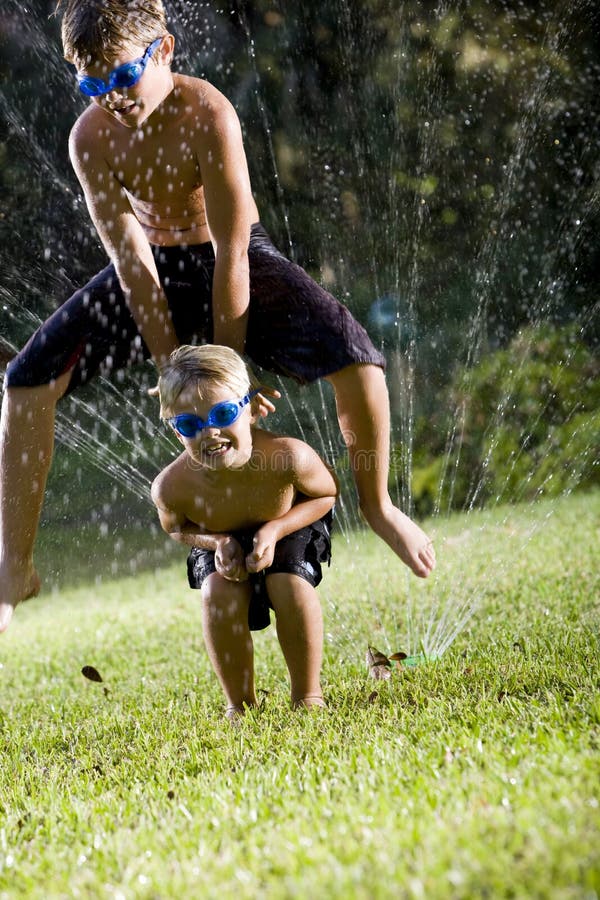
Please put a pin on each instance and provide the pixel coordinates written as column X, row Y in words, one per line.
column 99, row 30
column 199, row 367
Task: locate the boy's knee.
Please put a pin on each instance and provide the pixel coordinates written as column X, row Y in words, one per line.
column 214, row 588
column 284, row 589
column 222, row 598
column 39, row 395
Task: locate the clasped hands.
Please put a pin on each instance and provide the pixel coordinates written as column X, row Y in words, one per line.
column 231, row 563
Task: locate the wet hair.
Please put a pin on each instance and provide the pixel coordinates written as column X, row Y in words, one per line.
column 99, row 30
column 201, row 367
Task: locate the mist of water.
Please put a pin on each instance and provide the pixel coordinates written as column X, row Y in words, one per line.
column 103, row 425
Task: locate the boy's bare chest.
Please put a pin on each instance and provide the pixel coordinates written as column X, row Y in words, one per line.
column 153, row 171
column 241, row 504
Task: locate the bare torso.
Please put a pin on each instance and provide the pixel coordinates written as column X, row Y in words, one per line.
column 258, row 492
column 157, row 165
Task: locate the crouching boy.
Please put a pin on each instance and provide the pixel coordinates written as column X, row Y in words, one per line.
column 256, row 509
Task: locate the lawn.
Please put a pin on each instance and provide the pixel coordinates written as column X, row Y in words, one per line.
column 474, row 776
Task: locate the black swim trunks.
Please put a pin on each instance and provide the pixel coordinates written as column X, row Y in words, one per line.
column 300, row 553
column 295, row 327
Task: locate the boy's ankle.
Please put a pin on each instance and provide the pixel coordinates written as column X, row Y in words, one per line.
column 375, row 508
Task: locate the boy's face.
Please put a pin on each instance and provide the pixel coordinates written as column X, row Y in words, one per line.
column 134, row 104
column 227, row 447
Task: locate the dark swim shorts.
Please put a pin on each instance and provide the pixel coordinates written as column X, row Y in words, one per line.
column 295, row 328
column 300, row 553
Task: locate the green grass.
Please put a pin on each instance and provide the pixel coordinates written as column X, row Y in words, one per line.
column 476, row 776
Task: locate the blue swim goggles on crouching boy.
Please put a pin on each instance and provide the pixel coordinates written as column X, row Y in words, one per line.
column 124, row 76
column 222, row 415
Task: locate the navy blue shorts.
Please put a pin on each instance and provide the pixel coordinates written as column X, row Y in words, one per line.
column 300, row 553
column 295, row 327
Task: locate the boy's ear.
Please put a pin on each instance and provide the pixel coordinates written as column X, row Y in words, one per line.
column 167, row 49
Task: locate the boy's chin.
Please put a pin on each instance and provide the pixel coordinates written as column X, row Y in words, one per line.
column 232, row 458
column 132, row 117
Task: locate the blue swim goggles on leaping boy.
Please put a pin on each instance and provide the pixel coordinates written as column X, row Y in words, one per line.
column 221, row 415
column 124, row 76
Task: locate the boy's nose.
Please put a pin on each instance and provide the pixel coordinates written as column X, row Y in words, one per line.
column 112, row 96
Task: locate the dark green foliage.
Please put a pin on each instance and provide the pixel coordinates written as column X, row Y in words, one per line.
column 440, row 153
column 525, row 422
column 443, row 152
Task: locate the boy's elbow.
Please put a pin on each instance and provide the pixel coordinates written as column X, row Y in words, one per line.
column 328, row 503
column 155, row 491
column 335, row 486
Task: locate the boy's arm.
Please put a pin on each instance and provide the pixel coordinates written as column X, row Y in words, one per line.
column 229, row 558
column 125, row 242
column 175, row 523
column 230, row 212
column 316, row 491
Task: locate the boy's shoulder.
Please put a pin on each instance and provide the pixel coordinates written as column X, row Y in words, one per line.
column 173, row 481
column 195, row 99
column 285, row 453
column 199, row 89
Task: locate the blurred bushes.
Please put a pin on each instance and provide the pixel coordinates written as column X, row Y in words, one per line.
column 523, row 423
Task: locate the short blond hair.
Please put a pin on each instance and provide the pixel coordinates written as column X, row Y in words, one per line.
column 199, row 367
column 99, row 30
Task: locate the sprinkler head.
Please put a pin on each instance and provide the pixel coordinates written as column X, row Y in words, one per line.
column 419, row 659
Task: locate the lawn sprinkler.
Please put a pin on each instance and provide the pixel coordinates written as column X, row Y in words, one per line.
column 381, row 666
column 420, row 659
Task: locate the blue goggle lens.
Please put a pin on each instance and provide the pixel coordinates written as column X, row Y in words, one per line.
column 127, row 75
column 224, row 414
column 91, row 87
column 124, row 76
column 187, row 426
column 220, row 416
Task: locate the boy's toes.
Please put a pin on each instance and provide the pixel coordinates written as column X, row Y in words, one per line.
column 428, row 555
column 426, row 560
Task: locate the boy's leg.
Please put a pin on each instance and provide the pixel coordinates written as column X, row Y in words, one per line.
column 364, row 415
column 26, row 445
column 300, row 633
column 297, row 328
column 228, row 639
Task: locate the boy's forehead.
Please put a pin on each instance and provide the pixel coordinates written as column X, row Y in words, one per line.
column 206, row 389
column 112, row 58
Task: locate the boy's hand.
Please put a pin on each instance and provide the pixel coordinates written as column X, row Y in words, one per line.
column 264, row 405
column 264, row 550
column 229, row 560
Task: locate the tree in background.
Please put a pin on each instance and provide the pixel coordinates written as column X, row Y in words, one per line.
column 435, row 164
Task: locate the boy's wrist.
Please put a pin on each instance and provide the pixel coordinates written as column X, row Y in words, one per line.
column 269, row 532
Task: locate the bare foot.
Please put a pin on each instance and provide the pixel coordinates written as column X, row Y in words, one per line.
column 312, row 702
column 16, row 587
column 405, row 538
column 236, row 713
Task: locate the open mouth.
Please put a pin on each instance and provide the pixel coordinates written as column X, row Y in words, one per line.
column 124, row 109
column 213, row 451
